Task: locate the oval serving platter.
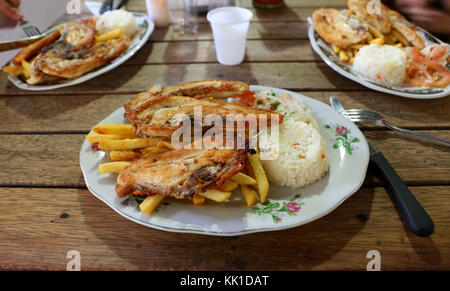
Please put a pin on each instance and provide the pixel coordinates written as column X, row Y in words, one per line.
column 325, row 51
column 348, row 155
column 145, row 29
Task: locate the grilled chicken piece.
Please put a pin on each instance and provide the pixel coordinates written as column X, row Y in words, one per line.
column 80, row 33
column 199, row 89
column 407, row 29
column 380, row 21
column 33, row 49
column 68, row 63
column 180, row 173
column 338, row 28
column 157, row 117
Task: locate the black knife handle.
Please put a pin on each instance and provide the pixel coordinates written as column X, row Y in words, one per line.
column 416, row 218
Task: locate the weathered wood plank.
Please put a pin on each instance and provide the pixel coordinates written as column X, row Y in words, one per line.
column 76, row 220
column 261, row 30
column 139, row 5
column 52, row 160
column 204, row 52
column 136, row 78
column 77, row 113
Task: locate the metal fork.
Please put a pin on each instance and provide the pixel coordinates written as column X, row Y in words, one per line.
column 29, row 28
column 366, row 116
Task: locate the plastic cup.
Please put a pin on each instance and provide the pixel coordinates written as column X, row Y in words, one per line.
column 230, row 26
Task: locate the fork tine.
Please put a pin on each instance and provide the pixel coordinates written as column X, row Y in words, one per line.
column 363, row 111
column 34, row 30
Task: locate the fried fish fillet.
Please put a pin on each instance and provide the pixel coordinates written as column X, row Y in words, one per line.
column 199, row 89
column 80, row 33
column 380, row 20
column 180, row 173
column 159, row 115
column 338, row 28
column 39, row 77
column 68, row 63
column 407, row 29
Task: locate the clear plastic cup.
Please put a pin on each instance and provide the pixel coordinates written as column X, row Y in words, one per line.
column 230, row 26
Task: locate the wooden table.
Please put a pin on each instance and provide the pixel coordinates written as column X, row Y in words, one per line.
column 46, row 210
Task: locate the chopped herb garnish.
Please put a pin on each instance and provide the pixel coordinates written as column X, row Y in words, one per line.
column 126, row 201
column 139, row 198
column 275, row 104
column 259, row 102
column 273, row 94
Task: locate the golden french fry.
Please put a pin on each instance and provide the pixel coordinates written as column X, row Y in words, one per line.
column 260, row 175
column 123, row 155
column 26, row 68
column 351, row 61
column 125, row 130
column 399, row 45
column 349, row 53
column 198, row 199
column 369, row 37
column 112, row 167
column 149, row 204
column 94, row 137
column 357, row 46
column 249, row 195
column 377, row 41
column 216, row 195
column 115, row 33
column 349, row 12
column 242, row 178
column 336, row 49
column 127, row 144
column 400, row 37
column 168, row 145
column 343, row 56
column 13, row 70
column 228, row 186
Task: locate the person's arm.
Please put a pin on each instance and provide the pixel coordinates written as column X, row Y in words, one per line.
column 433, row 15
column 9, row 8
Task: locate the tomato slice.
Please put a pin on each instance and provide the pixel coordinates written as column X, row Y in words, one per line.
column 247, row 98
column 423, row 71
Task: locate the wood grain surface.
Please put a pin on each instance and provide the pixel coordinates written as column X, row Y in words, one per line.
column 39, row 227
column 46, row 209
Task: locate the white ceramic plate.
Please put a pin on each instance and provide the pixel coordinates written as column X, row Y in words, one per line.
column 325, row 51
column 145, row 26
column 348, row 154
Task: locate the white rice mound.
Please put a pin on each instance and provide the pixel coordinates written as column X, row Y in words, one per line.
column 117, row 19
column 301, row 157
column 384, row 64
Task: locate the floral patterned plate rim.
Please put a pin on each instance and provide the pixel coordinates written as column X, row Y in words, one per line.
column 145, row 26
column 324, row 50
column 348, row 154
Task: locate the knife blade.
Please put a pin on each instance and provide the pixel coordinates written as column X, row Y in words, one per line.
column 13, row 44
column 415, row 216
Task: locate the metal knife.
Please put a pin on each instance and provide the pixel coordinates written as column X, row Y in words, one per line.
column 416, row 218
column 13, row 44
